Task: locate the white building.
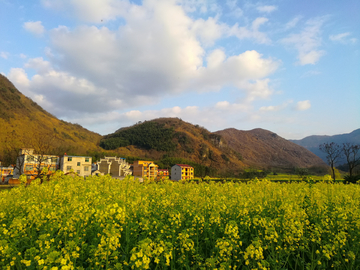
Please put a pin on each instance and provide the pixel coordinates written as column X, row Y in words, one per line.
column 30, row 163
column 79, row 165
column 116, row 167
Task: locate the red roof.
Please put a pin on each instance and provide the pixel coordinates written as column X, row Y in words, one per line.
column 184, row 165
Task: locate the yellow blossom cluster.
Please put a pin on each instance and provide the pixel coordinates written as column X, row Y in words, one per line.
column 105, row 223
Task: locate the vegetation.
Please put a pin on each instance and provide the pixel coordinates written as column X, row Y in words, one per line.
column 69, row 223
column 148, row 135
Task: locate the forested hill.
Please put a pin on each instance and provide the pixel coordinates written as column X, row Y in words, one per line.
column 227, row 150
column 171, row 138
column 22, row 122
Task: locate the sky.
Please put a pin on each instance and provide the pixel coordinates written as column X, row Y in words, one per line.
column 288, row 66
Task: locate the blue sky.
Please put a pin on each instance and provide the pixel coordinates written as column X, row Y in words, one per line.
column 292, row 67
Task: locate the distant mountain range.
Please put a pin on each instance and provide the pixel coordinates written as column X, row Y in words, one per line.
column 165, row 140
column 312, row 142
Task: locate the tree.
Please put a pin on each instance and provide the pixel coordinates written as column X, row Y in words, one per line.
column 35, row 155
column 351, row 152
column 333, row 151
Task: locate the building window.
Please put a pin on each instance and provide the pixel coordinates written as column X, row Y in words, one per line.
column 78, row 171
column 78, row 164
column 87, row 159
column 86, row 169
column 69, row 158
column 68, row 168
column 53, row 159
column 30, row 158
column 29, row 168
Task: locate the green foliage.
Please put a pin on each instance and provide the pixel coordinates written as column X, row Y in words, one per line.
column 254, row 173
column 351, row 179
column 224, row 157
column 148, row 135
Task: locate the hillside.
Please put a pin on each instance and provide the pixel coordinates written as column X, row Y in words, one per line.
column 312, row 142
column 226, row 151
column 168, row 140
column 22, row 122
column 261, row 147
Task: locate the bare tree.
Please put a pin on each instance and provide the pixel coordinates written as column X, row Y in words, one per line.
column 352, row 154
column 30, row 156
column 333, row 151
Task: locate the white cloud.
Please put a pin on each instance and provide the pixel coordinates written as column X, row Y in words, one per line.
column 275, row 108
column 35, row 28
column 303, row 105
column 94, row 74
column 266, row 9
column 252, row 32
column 343, row 38
column 209, row 30
column 308, row 41
column 4, row 55
column 292, row 23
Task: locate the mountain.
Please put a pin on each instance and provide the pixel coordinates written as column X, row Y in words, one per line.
column 261, row 147
column 22, row 122
column 312, row 142
column 227, row 150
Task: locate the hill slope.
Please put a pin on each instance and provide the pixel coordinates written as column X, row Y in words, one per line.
column 171, row 138
column 226, row 150
column 312, row 142
column 260, row 147
column 23, row 121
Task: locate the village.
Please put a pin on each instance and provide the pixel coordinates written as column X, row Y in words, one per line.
column 32, row 164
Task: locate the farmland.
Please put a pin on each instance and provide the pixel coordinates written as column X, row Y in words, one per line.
column 104, row 223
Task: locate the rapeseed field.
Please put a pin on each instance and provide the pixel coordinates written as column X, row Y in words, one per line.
column 104, row 223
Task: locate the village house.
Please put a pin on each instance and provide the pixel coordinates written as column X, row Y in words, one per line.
column 5, row 171
column 146, row 169
column 31, row 164
column 116, row 167
column 80, row 165
column 182, row 172
column 162, row 174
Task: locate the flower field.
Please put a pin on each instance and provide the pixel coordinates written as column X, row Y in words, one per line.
column 104, row 223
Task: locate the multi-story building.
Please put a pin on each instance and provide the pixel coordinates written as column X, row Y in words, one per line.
column 146, row 169
column 79, row 165
column 182, row 172
column 162, row 174
column 5, row 171
column 116, row 167
column 31, row 164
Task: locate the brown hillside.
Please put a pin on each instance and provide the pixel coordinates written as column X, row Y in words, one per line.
column 22, row 120
column 260, row 147
column 188, row 141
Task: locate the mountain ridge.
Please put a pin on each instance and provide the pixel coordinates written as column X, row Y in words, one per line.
column 312, row 142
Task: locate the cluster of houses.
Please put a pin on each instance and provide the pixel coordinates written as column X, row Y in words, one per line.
column 29, row 163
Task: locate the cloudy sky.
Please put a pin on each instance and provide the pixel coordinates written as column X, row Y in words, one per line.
column 289, row 66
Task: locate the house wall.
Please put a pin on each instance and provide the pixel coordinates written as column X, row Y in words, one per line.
column 145, row 169
column 182, row 172
column 28, row 163
column 80, row 165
